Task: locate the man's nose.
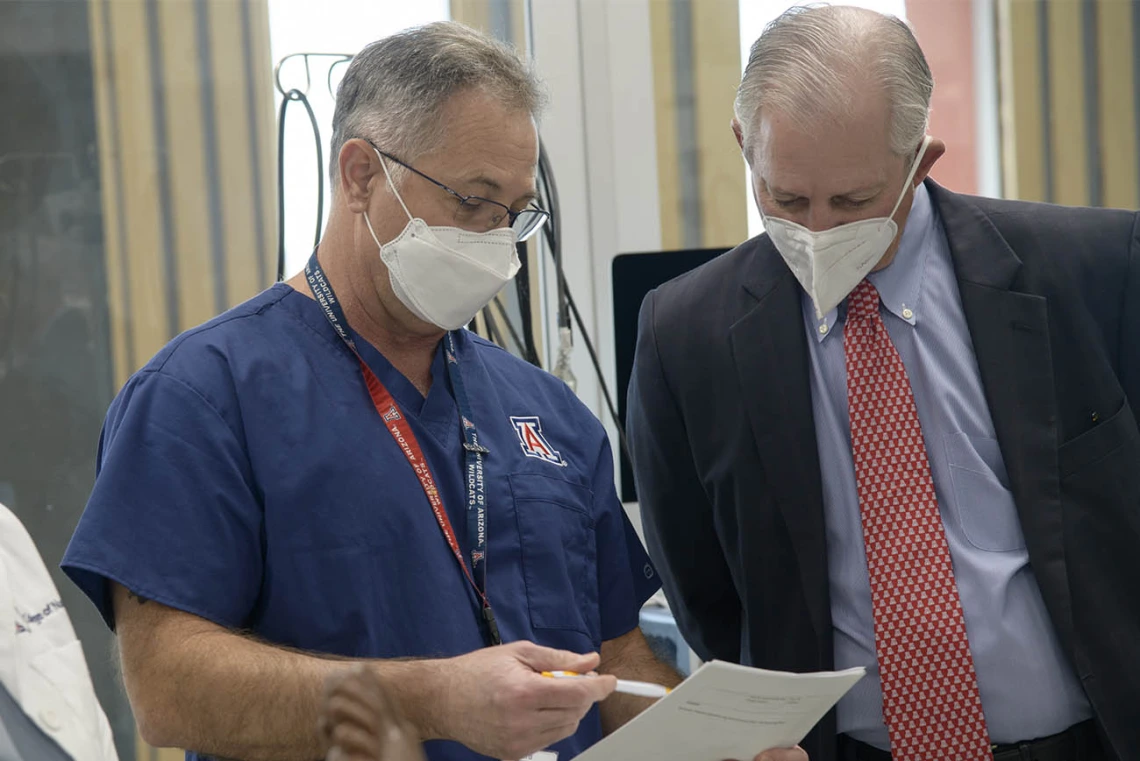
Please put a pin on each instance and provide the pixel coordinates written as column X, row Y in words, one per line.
column 820, row 218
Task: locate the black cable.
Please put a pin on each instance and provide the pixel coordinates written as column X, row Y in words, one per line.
column 554, row 231
column 296, row 95
column 515, row 338
column 598, row 370
column 529, row 350
column 566, row 305
column 492, row 327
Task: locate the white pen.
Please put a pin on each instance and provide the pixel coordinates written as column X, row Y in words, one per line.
column 626, row 686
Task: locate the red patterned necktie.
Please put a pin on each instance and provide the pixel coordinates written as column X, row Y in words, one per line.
column 931, row 703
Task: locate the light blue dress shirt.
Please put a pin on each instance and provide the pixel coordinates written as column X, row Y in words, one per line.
column 1028, row 687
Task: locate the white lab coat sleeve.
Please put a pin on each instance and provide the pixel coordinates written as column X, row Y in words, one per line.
column 44, row 668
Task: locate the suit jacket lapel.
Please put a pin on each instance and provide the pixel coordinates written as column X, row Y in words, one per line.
column 1010, row 333
column 1011, row 341
column 769, row 348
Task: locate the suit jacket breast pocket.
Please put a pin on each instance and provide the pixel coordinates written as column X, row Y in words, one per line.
column 559, row 552
column 1100, row 441
column 1103, row 463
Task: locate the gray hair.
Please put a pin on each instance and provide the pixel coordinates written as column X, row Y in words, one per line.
column 395, row 88
column 806, row 61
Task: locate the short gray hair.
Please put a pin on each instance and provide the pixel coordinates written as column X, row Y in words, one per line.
column 805, row 63
column 395, row 88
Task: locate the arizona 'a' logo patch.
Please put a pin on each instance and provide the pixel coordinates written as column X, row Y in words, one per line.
column 534, row 444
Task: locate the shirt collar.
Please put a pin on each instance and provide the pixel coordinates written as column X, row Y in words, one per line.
column 900, row 284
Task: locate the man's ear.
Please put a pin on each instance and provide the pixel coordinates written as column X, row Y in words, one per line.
column 934, row 151
column 739, row 132
column 359, row 166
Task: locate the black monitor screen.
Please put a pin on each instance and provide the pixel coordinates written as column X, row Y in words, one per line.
column 634, row 276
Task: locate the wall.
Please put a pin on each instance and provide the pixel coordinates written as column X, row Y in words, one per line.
column 56, row 375
column 136, row 200
column 1069, row 104
column 945, row 32
column 696, row 68
column 186, row 143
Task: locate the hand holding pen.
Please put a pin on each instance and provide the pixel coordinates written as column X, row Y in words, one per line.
column 626, row 686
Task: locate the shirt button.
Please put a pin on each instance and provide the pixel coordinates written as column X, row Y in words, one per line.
column 908, row 313
column 50, row 719
column 823, row 329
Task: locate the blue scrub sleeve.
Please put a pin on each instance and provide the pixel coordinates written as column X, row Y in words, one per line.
column 626, row 577
column 174, row 515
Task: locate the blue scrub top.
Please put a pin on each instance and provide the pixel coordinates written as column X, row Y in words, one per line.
column 244, row 476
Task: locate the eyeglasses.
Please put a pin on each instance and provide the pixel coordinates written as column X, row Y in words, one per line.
column 483, row 214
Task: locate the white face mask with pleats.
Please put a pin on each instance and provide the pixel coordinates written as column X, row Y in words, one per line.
column 830, row 263
column 445, row 275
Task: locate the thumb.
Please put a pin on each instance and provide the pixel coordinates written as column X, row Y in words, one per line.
column 788, row 754
column 547, row 659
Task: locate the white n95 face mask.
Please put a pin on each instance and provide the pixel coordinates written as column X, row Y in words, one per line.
column 445, row 275
column 830, row 263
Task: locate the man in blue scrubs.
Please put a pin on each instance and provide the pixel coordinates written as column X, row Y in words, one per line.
column 337, row 470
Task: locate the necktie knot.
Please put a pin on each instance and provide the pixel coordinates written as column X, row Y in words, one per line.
column 863, row 301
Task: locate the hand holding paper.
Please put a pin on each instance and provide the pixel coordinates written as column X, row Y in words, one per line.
column 783, row 754
column 725, row 711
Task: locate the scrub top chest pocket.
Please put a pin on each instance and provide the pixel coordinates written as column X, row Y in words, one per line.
column 559, row 553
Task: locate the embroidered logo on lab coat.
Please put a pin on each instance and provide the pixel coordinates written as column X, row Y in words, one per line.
column 25, row 622
column 534, row 444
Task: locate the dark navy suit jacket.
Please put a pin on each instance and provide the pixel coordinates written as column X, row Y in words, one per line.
column 724, row 448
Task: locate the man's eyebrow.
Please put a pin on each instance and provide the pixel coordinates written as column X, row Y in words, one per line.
column 777, row 191
column 863, row 190
column 485, row 181
column 494, row 187
column 871, row 189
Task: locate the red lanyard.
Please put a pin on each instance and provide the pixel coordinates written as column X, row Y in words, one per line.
column 398, row 426
column 401, row 431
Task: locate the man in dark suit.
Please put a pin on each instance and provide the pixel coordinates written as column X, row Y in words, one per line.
column 899, row 431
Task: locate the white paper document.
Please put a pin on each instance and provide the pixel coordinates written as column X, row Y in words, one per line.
column 726, row 711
